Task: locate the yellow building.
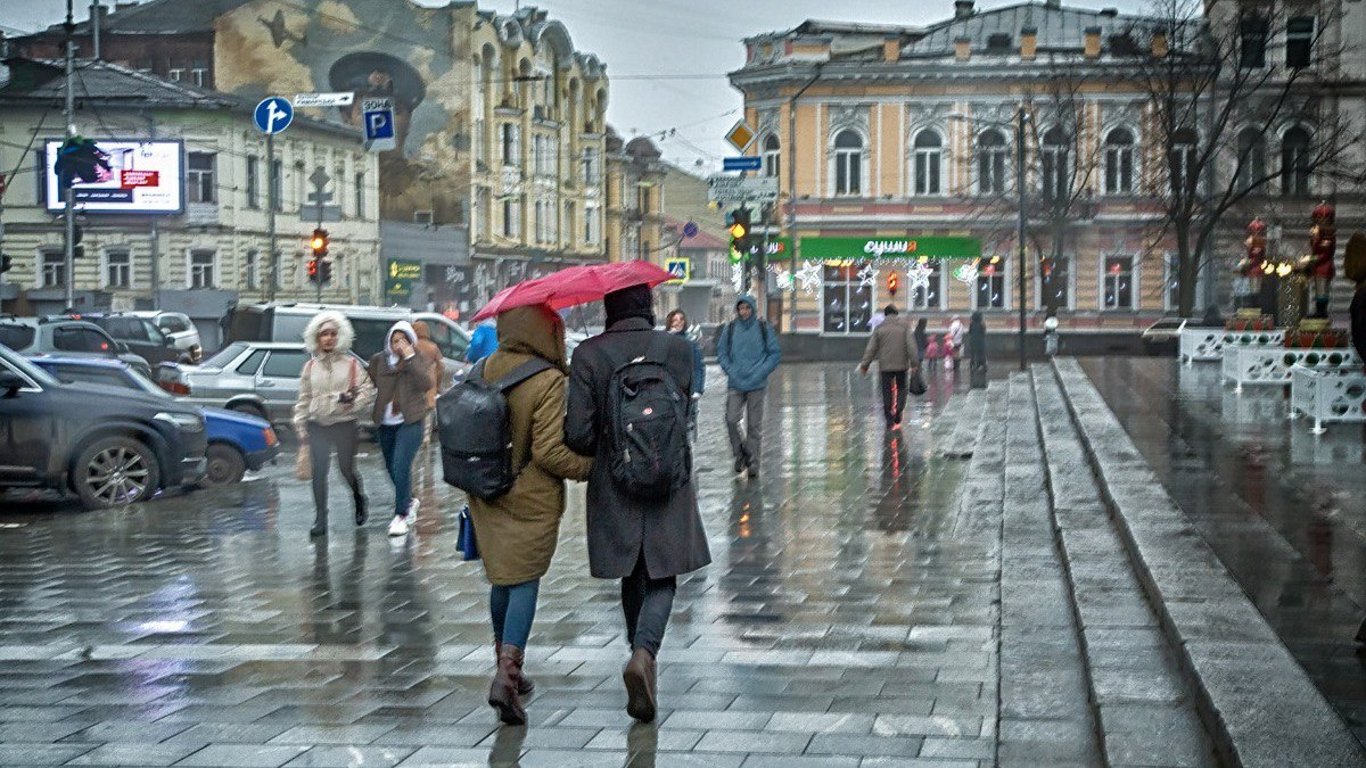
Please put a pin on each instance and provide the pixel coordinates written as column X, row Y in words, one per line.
column 894, row 152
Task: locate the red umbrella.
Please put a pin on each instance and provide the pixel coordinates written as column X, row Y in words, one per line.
column 575, row 285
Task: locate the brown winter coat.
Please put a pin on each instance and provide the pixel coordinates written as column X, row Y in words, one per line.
column 405, row 383
column 429, row 350
column 517, row 532
column 893, row 346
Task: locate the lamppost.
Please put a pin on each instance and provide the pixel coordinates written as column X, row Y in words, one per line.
column 1018, row 124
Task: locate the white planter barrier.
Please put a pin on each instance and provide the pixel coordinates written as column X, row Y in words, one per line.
column 1207, row 345
column 1259, row 366
column 1328, row 394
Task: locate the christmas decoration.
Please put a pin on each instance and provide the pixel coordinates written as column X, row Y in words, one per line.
column 1318, row 264
column 809, row 277
column 737, row 277
column 867, row 276
column 918, row 276
column 966, row 273
column 1250, row 269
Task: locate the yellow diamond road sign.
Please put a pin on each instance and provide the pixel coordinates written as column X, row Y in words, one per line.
column 740, row 135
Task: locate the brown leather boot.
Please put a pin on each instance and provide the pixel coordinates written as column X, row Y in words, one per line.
column 503, row 692
column 639, row 676
column 525, row 686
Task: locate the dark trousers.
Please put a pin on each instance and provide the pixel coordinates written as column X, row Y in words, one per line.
column 399, row 445
column 322, row 440
column 893, row 395
column 647, row 603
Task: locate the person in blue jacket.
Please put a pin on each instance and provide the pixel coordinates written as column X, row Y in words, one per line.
column 748, row 352
column 677, row 324
column 483, row 342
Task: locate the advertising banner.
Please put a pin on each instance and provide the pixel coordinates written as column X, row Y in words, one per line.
column 142, row 177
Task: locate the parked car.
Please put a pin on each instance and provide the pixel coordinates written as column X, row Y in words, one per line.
column 236, row 441
column 109, row 446
column 286, row 321
column 141, row 335
column 180, row 328
column 257, row 378
column 71, row 338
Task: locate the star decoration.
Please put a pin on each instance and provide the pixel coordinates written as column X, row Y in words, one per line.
column 918, row 276
column 867, row 276
column 809, row 277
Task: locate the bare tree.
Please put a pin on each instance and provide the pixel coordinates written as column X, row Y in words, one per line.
column 1225, row 82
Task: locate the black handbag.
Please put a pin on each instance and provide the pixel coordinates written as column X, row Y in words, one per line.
column 915, row 383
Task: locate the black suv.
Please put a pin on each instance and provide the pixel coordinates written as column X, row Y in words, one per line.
column 110, row 446
column 142, row 337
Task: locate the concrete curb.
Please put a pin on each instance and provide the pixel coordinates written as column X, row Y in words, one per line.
column 1257, row 702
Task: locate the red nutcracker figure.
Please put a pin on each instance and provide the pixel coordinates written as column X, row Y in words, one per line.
column 1319, row 264
column 1251, row 268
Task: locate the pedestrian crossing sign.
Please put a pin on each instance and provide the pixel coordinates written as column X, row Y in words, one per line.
column 680, row 268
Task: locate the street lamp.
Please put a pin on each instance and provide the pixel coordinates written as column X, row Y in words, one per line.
column 1018, row 124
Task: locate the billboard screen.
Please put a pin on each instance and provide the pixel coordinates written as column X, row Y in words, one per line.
column 144, row 177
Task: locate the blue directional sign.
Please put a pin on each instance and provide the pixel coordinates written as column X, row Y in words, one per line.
column 273, row 115
column 741, row 163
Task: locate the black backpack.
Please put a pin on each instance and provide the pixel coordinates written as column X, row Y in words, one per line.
column 648, row 426
column 476, row 438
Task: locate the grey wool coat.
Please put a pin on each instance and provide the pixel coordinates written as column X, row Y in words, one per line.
column 620, row 527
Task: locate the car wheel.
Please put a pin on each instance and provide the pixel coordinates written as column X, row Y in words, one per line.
column 115, row 471
column 226, row 465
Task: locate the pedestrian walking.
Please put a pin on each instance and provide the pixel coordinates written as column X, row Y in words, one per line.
column 483, row 341
column 1354, row 266
column 432, row 354
column 748, row 352
column 677, row 324
column 402, row 380
column 922, row 338
column 934, row 352
column 955, row 341
column 334, row 390
column 646, row 541
column 517, row 531
column 892, row 346
column 977, row 351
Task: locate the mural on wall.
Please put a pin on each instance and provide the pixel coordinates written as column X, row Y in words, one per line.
column 377, row 48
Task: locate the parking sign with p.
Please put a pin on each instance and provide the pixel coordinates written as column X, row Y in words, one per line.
column 378, row 118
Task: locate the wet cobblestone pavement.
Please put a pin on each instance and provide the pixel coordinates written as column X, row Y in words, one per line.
column 851, row 619
column 1283, row 509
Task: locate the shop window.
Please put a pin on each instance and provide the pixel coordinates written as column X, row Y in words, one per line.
column 847, row 302
column 1117, row 287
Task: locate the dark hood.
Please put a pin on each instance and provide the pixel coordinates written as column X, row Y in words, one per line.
column 636, row 301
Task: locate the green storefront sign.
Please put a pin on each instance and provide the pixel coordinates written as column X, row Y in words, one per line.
column 875, row 248
column 779, row 248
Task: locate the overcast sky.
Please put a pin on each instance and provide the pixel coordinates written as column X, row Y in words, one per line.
column 667, row 58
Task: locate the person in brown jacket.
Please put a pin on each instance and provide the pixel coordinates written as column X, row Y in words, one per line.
column 432, row 353
column 402, row 378
column 893, row 346
column 517, row 532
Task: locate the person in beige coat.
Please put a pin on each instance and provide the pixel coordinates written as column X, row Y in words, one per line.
column 894, row 348
column 334, row 390
column 517, row 532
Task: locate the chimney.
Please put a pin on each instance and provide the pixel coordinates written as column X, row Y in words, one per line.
column 1029, row 42
column 962, row 8
column 1092, row 47
column 1160, row 44
column 891, row 49
column 962, row 48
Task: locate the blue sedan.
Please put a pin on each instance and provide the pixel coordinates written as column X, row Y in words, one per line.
column 237, row 441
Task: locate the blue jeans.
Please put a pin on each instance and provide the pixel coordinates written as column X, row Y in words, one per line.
column 512, row 610
column 399, row 445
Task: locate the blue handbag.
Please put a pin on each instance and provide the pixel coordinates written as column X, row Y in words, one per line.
column 469, row 546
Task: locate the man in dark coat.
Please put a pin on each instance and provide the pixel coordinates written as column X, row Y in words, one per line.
column 646, row 544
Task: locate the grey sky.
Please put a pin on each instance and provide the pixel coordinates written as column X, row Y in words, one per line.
column 693, row 43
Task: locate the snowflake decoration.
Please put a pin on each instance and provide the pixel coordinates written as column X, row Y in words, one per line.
column 737, row 277
column 918, row 277
column 966, row 273
column 867, row 276
column 809, row 277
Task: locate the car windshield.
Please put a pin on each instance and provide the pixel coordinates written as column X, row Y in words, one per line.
column 225, row 355
column 28, row 369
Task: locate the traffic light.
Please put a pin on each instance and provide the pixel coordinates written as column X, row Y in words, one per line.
column 893, row 283
column 312, row 270
column 324, row 271
column 77, row 234
column 737, row 222
column 318, row 243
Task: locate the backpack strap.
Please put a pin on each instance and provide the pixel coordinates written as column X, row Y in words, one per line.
column 521, row 373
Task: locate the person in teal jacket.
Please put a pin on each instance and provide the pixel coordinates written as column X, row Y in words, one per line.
column 748, row 352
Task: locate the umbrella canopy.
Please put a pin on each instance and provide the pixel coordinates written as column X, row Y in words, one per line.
column 575, row 285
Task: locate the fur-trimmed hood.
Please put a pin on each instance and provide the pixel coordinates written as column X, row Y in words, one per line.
column 346, row 335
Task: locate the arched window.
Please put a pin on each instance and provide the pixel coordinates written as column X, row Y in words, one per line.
column 1119, row 162
column 1182, row 164
column 1251, row 164
column 772, row 158
column 929, row 154
column 991, row 162
column 1295, row 162
column 1056, row 159
column 848, row 163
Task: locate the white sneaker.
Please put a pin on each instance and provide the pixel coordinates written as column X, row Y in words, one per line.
column 413, row 504
column 399, row 527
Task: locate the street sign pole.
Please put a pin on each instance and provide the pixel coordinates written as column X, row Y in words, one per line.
column 272, row 202
column 69, row 211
